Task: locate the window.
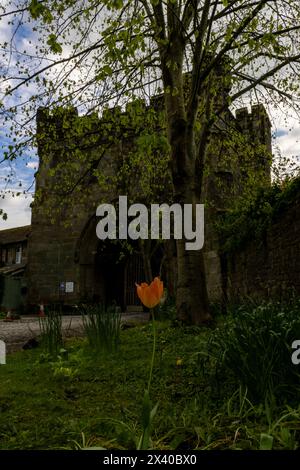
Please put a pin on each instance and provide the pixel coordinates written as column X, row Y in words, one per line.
column 18, row 254
column 4, row 253
column 10, row 256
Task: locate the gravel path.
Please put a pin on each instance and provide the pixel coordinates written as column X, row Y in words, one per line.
column 18, row 332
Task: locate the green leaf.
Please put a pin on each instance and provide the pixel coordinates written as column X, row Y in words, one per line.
column 146, row 410
column 148, row 414
column 94, row 448
column 54, row 45
column 37, row 9
column 266, row 442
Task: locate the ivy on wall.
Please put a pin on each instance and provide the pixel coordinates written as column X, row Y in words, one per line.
column 251, row 217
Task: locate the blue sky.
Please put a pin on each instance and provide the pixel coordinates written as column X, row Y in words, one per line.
column 20, row 172
column 16, row 185
column 280, row 133
column 17, row 176
column 23, row 170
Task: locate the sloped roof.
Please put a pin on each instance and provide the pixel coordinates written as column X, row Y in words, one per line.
column 14, row 235
column 13, row 270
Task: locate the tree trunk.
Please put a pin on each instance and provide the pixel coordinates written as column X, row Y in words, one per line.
column 191, row 296
column 187, row 162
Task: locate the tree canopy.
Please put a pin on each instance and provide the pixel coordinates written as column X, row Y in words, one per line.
column 95, row 54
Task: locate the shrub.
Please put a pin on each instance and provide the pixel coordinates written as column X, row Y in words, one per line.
column 51, row 332
column 102, row 327
column 254, row 347
column 166, row 310
column 253, row 214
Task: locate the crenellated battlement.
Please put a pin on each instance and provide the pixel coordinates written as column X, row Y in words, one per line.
column 255, row 124
column 57, row 123
column 134, row 114
column 61, row 132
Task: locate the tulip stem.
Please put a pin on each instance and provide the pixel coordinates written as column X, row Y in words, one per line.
column 153, row 349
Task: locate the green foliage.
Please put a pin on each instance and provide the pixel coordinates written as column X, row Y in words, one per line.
column 77, row 402
column 122, row 50
column 3, row 214
column 102, row 327
column 166, row 310
column 136, row 434
column 38, row 9
column 83, row 153
column 54, row 45
column 148, row 414
column 266, row 442
column 63, row 372
column 251, row 217
column 254, row 348
column 51, row 332
column 145, row 170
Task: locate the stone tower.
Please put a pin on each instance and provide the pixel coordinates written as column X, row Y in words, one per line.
column 65, row 260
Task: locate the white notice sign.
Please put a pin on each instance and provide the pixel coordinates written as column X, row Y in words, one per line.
column 69, row 287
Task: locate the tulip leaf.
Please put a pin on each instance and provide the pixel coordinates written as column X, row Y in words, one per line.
column 266, row 442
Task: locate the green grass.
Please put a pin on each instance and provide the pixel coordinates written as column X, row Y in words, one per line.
column 255, row 347
column 102, row 328
column 81, row 401
column 51, row 332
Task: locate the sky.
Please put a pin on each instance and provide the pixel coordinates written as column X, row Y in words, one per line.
column 20, row 172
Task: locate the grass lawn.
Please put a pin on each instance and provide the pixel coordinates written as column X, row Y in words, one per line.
column 82, row 401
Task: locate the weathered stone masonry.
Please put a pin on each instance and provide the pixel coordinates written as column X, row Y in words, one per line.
column 269, row 268
column 58, row 255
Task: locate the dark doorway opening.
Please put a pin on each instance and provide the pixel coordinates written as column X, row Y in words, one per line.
column 109, row 271
column 116, row 273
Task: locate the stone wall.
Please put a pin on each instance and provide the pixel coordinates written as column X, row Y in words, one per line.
column 60, row 252
column 56, row 229
column 247, row 148
column 269, row 268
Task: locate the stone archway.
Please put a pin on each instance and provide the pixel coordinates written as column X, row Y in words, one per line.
column 109, row 274
column 105, row 276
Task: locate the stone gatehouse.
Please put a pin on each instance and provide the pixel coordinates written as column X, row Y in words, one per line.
column 66, row 261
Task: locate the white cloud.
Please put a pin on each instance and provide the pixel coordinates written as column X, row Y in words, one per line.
column 289, row 143
column 19, row 212
column 17, row 209
column 33, row 165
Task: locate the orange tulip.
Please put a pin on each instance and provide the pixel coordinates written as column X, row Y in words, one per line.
column 150, row 295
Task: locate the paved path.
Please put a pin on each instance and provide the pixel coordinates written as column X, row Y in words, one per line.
column 18, row 332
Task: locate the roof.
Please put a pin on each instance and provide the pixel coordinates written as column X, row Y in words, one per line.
column 13, row 270
column 14, row 235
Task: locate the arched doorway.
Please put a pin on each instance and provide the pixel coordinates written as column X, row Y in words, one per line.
column 109, row 274
column 108, row 270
